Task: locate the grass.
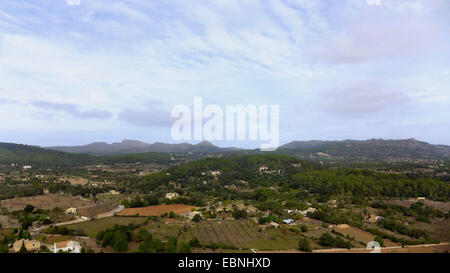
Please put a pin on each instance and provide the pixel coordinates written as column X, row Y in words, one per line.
column 91, row 228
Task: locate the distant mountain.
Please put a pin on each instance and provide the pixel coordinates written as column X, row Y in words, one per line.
column 134, row 147
column 36, row 156
column 368, row 149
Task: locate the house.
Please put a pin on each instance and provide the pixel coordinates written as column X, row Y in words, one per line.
column 30, row 245
column 215, row 174
column 421, row 198
column 263, row 169
column 305, row 212
column 172, row 195
column 288, row 221
column 71, row 211
column 190, row 215
column 26, row 167
column 274, row 224
column 67, row 246
column 114, row 192
column 373, row 218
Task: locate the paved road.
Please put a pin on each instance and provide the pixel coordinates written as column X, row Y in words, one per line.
column 111, row 213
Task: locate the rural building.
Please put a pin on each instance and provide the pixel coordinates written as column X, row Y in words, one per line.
column 373, row 218
column 71, row 211
column 288, row 221
column 26, row 167
column 30, row 245
column 263, row 169
column 215, row 174
column 421, row 198
column 171, row 195
column 114, row 192
column 305, row 212
column 191, row 214
column 273, row 224
column 67, row 246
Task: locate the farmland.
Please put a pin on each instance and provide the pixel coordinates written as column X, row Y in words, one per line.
column 240, row 234
column 47, row 201
column 91, row 228
column 157, row 210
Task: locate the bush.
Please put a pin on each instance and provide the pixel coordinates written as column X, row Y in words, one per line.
column 380, row 240
column 327, row 240
column 194, row 242
column 120, row 245
column 304, row 245
column 185, row 248
column 304, row 228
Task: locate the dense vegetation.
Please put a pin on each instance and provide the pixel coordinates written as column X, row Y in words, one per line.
column 364, row 183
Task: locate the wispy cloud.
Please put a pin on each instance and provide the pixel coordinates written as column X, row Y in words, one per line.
column 72, row 109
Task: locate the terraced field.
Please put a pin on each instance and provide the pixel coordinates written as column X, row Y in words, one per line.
column 241, row 234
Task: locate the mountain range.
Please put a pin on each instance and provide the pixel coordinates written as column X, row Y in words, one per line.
column 129, row 151
column 134, row 147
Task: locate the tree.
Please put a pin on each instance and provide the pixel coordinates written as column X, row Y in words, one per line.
column 23, row 249
column 44, row 249
column 380, row 240
column 194, row 242
column 197, row 218
column 29, row 208
column 304, row 245
column 3, row 248
column 237, row 213
column 172, row 243
column 327, row 240
column 185, row 248
column 121, row 245
column 304, row 228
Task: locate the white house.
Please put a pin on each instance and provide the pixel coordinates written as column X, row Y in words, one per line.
column 305, row 212
column 67, row 246
column 171, row 195
column 71, row 211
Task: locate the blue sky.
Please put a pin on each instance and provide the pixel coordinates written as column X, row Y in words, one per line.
column 78, row 71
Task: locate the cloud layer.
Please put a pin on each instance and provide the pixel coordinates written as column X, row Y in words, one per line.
column 93, row 65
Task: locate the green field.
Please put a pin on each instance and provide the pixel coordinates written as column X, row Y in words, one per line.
column 91, row 228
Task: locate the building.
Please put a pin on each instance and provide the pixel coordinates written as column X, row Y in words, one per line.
column 26, row 167
column 30, row 245
column 67, row 246
column 274, row 224
column 71, row 211
column 421, row 198
column 171, row 195
column 305, row 212
column 263, row 169
column 114, row 192
column 216, row 174
column 288, row 221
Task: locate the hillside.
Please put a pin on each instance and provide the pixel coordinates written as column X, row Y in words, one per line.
column 41, row 157
column 36, row 156
column 367, row 149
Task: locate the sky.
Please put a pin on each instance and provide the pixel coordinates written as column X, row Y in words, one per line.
column 74, row 72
